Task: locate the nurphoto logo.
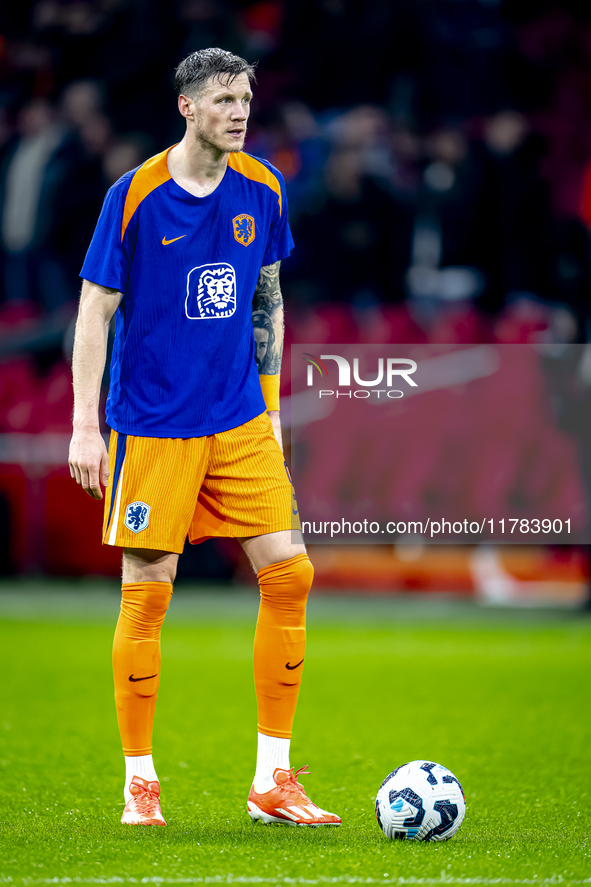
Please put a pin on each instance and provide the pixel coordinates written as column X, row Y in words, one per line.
column 389, row 371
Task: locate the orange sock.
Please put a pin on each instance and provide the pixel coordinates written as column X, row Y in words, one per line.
column 136, row 662
column 280, row 642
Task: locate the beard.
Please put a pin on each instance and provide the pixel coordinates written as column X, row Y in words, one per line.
column 209, row 139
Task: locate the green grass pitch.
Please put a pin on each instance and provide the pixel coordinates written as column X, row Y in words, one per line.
column 501, row 698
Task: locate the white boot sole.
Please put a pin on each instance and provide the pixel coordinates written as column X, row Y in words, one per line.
column 256, row 813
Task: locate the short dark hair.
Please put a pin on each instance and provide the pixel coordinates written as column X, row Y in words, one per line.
column 198, row 67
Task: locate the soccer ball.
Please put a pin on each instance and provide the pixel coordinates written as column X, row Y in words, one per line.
column 420, row 801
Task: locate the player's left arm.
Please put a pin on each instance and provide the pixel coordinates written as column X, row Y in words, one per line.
column 267, row 297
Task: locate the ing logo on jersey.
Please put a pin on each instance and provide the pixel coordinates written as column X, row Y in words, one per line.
column 244, row 231
column 137, row 516
column 211, row 292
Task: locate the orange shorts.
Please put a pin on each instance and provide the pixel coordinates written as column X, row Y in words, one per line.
column 235, row 483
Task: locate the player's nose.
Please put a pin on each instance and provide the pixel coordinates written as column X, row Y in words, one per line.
column 239, row 112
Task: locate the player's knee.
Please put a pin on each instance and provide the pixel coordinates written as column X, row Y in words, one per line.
column 148, row 565
column 144, row 606
column 302, row 577
column 288, row 580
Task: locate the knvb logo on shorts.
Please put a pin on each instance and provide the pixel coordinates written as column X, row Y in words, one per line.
column 389, row 371
column 137, row 516
column 211, row 292
column 244, row 229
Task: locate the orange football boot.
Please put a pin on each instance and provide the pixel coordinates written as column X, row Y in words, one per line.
column 288, row 803
column 143, row 808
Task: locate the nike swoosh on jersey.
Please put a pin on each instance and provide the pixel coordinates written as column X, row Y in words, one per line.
column 165, row 242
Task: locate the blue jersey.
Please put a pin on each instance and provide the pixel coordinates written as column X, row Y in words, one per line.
column 183, row 361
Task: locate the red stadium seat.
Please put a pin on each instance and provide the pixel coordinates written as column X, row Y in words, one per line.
column 74, row 530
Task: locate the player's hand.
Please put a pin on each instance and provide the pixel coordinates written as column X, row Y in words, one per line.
column 89, row 461
column 276, row 423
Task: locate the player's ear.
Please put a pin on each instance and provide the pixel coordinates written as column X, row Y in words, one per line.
column 185, row 105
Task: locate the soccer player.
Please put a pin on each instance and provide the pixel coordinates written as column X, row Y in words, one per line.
column 187, row 246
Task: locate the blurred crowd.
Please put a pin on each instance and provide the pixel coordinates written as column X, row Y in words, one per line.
column 435, row 152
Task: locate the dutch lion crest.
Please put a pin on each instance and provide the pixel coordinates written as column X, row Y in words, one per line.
column 211, row 291
column 137, row 516
column 244, row 230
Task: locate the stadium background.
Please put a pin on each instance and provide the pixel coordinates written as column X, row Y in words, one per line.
column 437, row 160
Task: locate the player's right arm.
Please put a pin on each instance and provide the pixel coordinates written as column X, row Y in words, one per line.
column 88, row 460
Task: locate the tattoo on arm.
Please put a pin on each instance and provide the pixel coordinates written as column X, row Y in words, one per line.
column 267, row 321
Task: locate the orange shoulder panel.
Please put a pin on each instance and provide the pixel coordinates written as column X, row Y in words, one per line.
column 150, row 175
column 255, row 170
